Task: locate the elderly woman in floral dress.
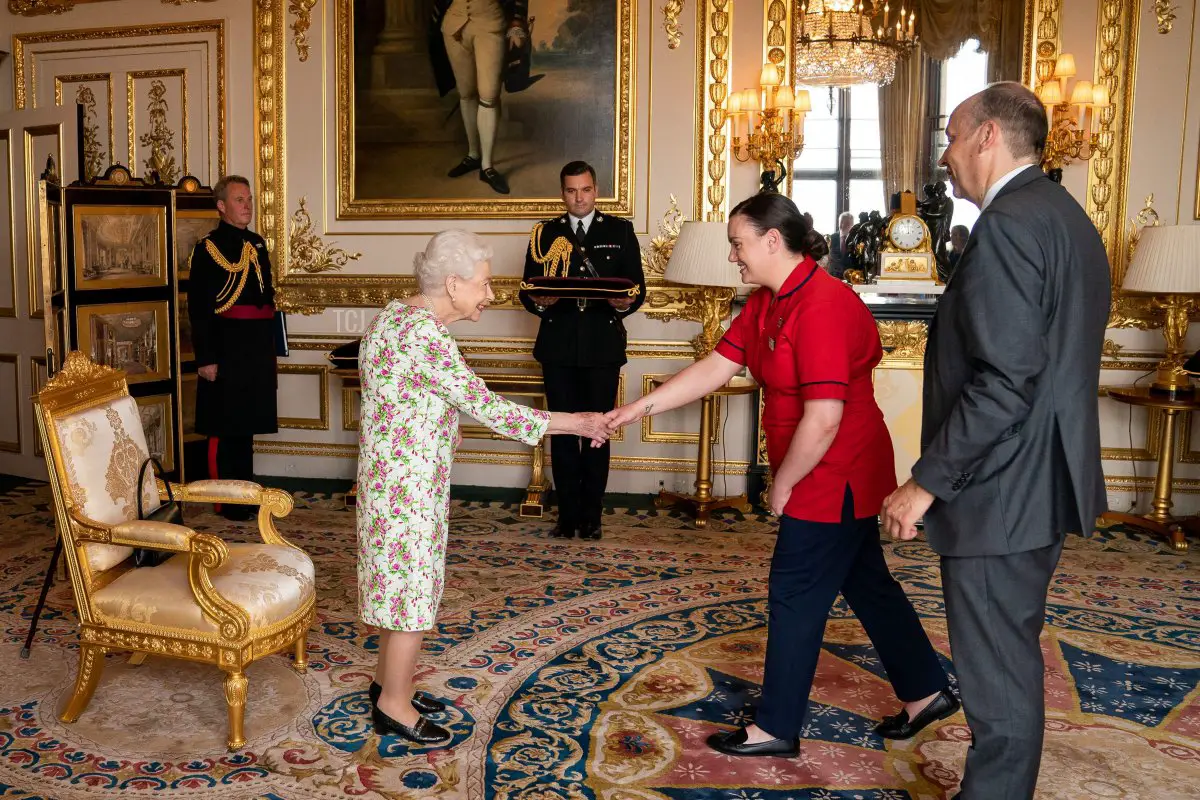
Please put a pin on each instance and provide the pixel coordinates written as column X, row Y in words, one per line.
column 414, row 382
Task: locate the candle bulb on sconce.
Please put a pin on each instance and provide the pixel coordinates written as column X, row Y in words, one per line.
column 774, row 124
column 1074, row 117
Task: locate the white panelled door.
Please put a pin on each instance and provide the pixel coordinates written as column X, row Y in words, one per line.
column 27, row 139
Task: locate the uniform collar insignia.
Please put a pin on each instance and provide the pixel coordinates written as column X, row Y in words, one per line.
column 564, row 219
column 598, row 217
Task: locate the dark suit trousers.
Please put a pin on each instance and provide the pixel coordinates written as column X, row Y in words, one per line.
column 231, row 458
column 580, row 470
column 995, row 610
column 812, row 562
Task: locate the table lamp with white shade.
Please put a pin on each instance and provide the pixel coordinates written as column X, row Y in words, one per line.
column 701, row 258
column 1166, row 264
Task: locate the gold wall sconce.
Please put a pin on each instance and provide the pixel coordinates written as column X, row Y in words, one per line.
column 1074, row 116
column 768, row 125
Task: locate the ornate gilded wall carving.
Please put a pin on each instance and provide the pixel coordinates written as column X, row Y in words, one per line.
column 32, row 8
column 309, row 253
column 94, row 157
column 671, row 12
column 712, row 147
column 302, row 9
column 160, row 139
column 1116, row 62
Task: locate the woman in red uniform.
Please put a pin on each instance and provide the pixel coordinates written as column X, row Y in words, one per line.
column 811, row 344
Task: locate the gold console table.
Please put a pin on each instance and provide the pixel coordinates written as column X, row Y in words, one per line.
column 526, row 385
column 1159, row 520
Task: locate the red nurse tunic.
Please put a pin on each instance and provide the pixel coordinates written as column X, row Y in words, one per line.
column 817, row 340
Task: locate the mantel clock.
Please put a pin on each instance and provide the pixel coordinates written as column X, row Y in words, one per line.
column 907, row 248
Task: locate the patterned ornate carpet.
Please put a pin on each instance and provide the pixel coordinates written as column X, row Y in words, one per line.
column 594, row 670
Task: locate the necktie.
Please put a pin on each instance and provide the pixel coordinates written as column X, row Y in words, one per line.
column 580, row 232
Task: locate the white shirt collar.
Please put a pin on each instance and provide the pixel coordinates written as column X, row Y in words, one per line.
column 587, row 221
column 1003, row 181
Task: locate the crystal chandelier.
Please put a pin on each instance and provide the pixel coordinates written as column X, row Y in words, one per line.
column 843, row 42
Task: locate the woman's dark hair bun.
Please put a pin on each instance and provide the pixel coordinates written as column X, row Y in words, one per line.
column 767, row 210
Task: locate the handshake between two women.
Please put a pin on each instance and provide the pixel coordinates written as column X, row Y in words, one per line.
column 596, row 426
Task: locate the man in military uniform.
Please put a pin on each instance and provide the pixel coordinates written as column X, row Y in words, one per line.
column 581, row 343
column 231, row 304
column 470, row 45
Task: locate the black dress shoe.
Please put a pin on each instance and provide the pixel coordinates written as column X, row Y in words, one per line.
column 733, row 743
column 468, row 164
column 423, row 703
column 494, row 179
column 563, row 531
column 590, row 531
column 899, row 726
column 424, row 732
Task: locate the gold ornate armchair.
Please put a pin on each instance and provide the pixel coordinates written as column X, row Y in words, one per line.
column 224, row 604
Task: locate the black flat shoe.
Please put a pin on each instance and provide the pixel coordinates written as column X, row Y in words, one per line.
column 899, row 726
column 494, row 179
column 562, row 531
column 424, row 732
column 468, row 164
column 423, row 703
column 733, row 743
column 591, row 532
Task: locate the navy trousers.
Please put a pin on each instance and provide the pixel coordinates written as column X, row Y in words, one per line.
column 812, row 563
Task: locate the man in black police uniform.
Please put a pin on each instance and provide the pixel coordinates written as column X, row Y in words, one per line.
column 581, row 343
column 231, row 303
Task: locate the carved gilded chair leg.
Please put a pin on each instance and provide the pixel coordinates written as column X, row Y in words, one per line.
column 137, row 659
column 235, row 696
column 300, row 663
column 91, row 663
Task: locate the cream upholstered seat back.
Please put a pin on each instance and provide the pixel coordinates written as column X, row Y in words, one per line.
column 101, row 448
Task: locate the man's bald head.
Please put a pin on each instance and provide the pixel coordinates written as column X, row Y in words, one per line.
column 1017, row 111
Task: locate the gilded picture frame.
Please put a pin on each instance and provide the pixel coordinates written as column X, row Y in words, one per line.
column 191, row 225
column 558, row 102
column 158, row 423
column 119, row 246
column 37, row 381
column 132, row 337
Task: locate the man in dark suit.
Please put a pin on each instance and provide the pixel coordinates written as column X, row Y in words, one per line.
column 838, row 262
column 471, row 42
column 581, row 343
column 1011, row 431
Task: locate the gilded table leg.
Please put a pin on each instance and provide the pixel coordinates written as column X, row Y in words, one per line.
column 91, row 664
column 300, row 663
column 235, row 697
column 137, row 659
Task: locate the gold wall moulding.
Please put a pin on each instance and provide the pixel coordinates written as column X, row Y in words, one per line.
column 1138, row 483
column 713, row 28
column 1108, row 171
column 671, row 12
column 24, row 79
column 280, row 447
column 160, row 139
column 315, row 294
column 302, row 9
column 617, row 140
column 94, row 157
column 1028, row 36
column 1046, row 52
column 308, row 252
column 321, row 421
column 33, row 8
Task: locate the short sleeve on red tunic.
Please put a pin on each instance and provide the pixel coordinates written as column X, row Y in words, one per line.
column 824, row 338
column 737, row 339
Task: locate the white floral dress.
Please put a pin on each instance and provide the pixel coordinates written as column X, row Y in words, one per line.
column 414, row 380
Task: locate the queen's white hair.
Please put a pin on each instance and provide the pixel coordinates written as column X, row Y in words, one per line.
column 451, row 252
